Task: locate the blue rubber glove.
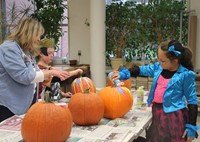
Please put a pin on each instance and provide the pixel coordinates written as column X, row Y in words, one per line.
column 191, row 130
column 124, row 74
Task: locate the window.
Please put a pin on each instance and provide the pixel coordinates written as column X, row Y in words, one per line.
column 63, row 44
column 17, row 9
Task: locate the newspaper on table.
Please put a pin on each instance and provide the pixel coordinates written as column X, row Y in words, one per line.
column 117, row 130
column 10, row 136
column 10, row 129
column 123, row 129
column 101, row 133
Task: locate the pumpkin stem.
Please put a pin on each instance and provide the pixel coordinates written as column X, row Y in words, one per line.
column 47, row 98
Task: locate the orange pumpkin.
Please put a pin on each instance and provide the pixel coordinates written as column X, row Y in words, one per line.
column 86, row 108
column 79, row 85
column 45, row 122
column 117, row 101
column 127, row 83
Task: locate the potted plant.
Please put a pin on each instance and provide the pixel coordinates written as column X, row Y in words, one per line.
column 135, row 30
column 120, row 23
column 50, row 14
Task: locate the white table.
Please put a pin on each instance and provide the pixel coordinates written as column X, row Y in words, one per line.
column 123, row 129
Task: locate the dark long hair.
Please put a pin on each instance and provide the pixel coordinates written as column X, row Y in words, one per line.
column 185, row 56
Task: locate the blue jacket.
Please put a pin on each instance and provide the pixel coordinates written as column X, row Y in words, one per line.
column 180, row 90
column 16, row 75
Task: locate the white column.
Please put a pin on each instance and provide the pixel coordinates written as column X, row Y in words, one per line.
column 97, row 42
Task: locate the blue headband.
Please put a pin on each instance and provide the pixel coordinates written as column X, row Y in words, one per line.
column 171, row 49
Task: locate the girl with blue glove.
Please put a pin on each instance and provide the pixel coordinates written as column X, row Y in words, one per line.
column 173, row 94
column 121, row 73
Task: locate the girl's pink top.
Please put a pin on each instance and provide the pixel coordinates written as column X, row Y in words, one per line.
column 160, row 89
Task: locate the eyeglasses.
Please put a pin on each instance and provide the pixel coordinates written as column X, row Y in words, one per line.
column 163, row 62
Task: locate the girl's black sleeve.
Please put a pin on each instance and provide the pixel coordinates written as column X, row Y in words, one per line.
column 135, row 71
column 192, row 111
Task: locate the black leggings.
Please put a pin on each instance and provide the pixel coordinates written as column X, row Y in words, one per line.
column 5, row 113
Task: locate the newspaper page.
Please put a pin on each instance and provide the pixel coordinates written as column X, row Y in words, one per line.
column 13, row 123
column 106, row 133
column 10, row 129
column 135, row 121
column 124, row 129
column 10, row 136
column 118, row 130
column 79, row 132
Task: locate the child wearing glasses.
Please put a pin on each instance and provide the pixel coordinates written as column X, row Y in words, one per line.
column 173, row 94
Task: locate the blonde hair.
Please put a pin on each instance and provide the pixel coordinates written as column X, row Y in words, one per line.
column 47, row 42
column 25, row 32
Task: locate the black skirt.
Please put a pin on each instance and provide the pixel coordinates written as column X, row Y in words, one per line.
column 167, row 127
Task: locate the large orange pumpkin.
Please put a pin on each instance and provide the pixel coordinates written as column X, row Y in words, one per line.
column 46, row 122
column 86, row 108
column 117, row 101
column 127, row 83
column 79, row 85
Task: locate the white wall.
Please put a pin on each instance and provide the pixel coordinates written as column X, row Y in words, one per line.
column 195, row 5
column 79, row 32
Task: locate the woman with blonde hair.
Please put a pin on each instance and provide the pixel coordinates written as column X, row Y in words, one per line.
column 19, row 73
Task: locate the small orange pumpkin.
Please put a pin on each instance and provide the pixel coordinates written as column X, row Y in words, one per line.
column 79, row 85
column 45, row 122
column 117, row 101
column 86, row 108
column 127, row 83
